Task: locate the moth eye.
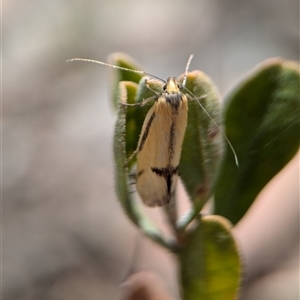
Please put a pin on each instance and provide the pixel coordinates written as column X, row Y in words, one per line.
column 164, row 87
column 180, row 86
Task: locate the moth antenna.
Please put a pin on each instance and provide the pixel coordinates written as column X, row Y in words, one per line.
column 115, row 67
column 187, row 69
column 154, row 76
column 222, row 132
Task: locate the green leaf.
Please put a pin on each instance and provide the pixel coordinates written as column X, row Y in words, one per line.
column 121, row 169
column 202, row 146
column 210, row 263
column 125, row 61
column 262, row 123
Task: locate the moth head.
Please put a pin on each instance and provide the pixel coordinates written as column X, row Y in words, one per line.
column 172, row 86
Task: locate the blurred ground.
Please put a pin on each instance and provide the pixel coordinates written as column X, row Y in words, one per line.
column 63, row 233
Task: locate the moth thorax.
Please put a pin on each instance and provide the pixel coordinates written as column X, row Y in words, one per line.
column 174, row 99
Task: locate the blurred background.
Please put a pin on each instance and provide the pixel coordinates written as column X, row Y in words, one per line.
column 64, row 235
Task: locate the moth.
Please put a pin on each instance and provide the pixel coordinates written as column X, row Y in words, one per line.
column 159, row 147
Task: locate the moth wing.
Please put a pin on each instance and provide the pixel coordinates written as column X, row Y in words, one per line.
column 154, row 151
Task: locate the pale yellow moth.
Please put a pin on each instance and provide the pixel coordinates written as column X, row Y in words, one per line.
column 159, row 146
column 160, row 142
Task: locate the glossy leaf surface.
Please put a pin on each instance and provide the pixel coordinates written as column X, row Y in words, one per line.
column 263, row 125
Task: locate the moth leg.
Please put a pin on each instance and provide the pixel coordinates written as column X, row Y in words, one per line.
column 144, row 102
column 193, row 98
column 157, row 94
column 132, row 155
column 130, row 158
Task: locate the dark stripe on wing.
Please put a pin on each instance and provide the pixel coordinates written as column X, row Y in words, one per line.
column 171, row 141
column 146, row 132
column 167, row 173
